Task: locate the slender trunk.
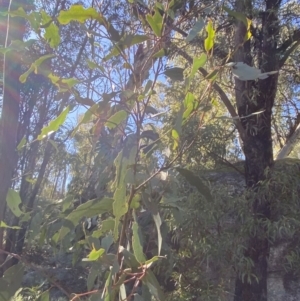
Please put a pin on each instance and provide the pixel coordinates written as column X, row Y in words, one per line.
column 253, row 97
column 10, row 111
column 36, row 188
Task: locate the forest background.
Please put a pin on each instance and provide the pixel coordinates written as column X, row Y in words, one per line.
column 167, row 92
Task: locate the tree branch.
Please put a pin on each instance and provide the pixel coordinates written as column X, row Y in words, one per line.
column 221, row 93
column 288, row 47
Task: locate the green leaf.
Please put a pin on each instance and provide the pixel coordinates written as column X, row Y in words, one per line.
column 198, row 62
column 45, row 296
column 92, row 65
column 106, row 226
column 88, row 209
column 11, row 281
column 212, row 75
column 175, row 73
column 137, row 244
column 126, row 42
column 34, row 67
column 4, row 225
column 150, row 280
column 160, row 53
column 209, row 41
column 156, row 23
column 196, row 182
column 237, row 15
column 175, row 137
column 129, row 258
column 195, row 30
column 120, row 207
column 95, row 254
column 189, row 105
column 51, row 31
column 78, row 13
column 54, row 124
column 21, row 144
column 13, row 201
column 116, row 119
column 93, row 274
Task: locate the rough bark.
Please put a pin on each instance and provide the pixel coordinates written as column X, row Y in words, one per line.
column 252, row 97
column 10, row 110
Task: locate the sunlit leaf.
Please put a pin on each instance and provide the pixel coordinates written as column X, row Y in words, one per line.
column 4, row 225
column 137, row 243
column 51, row 34
column 88, row 209
column 13, row 202
column 78, row 13
column 209, row 41
column 189, row 105
column 116, row 119
column 175, row 137
column 95, row 254
column 199, row 25
column 34, row 67
column 156, row 22
column 54, row 124
column 198, row 62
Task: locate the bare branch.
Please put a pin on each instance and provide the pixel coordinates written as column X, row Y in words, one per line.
column 221, row 93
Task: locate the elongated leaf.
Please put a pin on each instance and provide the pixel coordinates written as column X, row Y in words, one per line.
column 126, row 42
column 175, row 73
column 21, row 144
column 199, row 25
column 129, row 258
column 158, row 223
column 45, row 296
column 212, row 75
column 120, row 207
column 160, row 53
column 150, row 280
column 4, row 225
column 198, row 62
column 189, row 105
column 13, row 201
column 209, row 41
column 116, row 119
column 137, row 243
column 88, row 209
column 175, row 137
column 78, row 13
column 93, row 274
column 239, row 16
column 34, row 67
column 51, row 31
column 54, row 124
column 11, row 281
column 196, row 182
column 156, row 23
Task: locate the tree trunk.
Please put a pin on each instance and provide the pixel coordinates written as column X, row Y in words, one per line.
column 252, row 97
column 10, row 111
